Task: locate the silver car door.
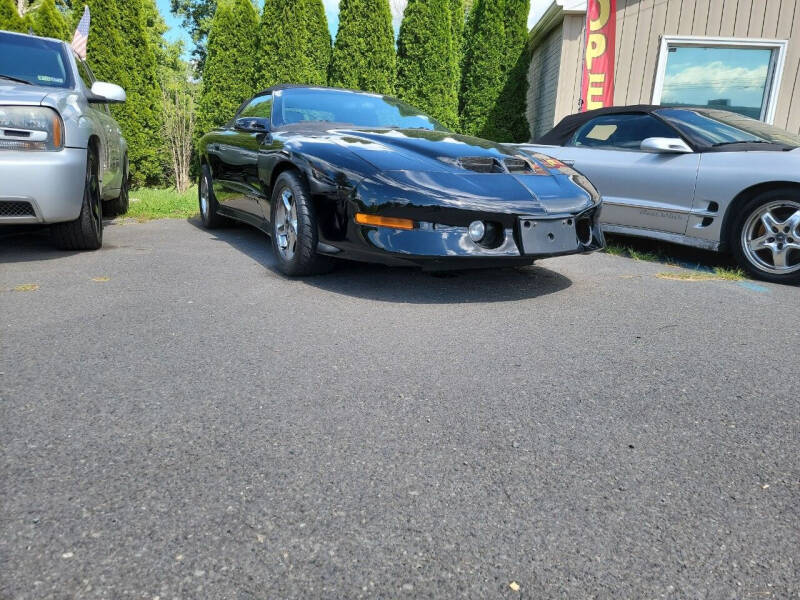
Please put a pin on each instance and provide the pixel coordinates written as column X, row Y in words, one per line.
column 110, row 137
column 639, row 189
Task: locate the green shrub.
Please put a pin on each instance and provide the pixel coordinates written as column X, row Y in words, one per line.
column 484, row 66
column 140, row 117
column 364, row 54
column 508, row 120
column 229, row 75
column 47, row 21
column 494, row 84
column 427, row 64
column 295, row 43
column 10, row 19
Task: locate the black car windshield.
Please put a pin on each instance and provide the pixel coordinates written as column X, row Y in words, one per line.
column 709, row 127
column 33, row 60
column 317, row 105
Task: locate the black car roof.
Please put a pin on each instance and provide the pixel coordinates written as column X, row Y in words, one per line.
column 566, row 128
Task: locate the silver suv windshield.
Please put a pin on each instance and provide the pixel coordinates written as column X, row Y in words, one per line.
column 36, row 61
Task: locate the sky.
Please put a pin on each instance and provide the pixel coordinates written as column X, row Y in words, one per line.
column 331, row 9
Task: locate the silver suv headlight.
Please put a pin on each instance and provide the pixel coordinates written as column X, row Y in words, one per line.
column 33, row 128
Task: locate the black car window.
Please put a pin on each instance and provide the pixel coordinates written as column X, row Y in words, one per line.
column 34, row 60
column 259, row 107
column 620, row 132
column 361, row 109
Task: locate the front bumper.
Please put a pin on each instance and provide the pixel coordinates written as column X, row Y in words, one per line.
column 433, row 246
column 41, row 187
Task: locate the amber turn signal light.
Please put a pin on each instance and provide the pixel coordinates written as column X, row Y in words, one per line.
column 365, row 219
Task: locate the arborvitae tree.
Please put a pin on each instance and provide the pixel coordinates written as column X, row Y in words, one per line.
column 228, row 78
column 364, row 54
column 103, row 51
column 295, row 43
column 426, row 60
column 47, row 21
column 457, row 21
column 508, row 120
column 484, row 66
column 140, row 116
column 10, row 19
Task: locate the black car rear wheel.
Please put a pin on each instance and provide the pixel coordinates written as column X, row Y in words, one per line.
column 208, row 201
column 119, row 206
column 294, row 228
column 765, row 238
column 85, row 232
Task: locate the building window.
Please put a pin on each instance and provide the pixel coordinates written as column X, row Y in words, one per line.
column 739, row 75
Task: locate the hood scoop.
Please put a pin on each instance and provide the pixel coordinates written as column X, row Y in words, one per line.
column 490, row 164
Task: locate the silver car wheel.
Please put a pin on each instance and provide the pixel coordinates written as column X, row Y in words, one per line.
column 771, row 237
column 286, row 224
column 204, row 196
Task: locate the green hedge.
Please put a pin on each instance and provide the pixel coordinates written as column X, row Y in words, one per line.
column 364, row 53
column 229, row 75
column 427, row 63
column 295, row 43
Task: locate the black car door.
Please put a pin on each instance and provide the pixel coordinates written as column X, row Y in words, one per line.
column 236, row 150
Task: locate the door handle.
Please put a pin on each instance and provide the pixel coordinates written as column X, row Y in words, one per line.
column 569, row 163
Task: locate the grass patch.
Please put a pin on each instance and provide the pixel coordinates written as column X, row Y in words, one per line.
column 153, row 203
column 703, row 265
column 719, row 274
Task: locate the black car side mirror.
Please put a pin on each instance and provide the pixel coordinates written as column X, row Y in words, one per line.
column 252, row 124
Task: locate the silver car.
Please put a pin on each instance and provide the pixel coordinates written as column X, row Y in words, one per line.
column 701, row 177
column 61, row 153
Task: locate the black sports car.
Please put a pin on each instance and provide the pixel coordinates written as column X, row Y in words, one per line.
column 338, row 173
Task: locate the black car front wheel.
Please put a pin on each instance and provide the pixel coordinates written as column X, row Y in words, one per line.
column 85, row 232
column 294, row 228
column 765, row 238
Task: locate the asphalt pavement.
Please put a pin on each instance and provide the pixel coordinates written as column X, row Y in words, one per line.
column 178, row 420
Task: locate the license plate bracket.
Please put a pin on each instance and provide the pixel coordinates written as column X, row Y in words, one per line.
column 547, row 236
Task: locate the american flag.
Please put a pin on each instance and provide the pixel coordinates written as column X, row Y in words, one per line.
column 81, row 37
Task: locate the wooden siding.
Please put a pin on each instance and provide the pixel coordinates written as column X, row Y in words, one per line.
column 640, row 25
column 543, row 77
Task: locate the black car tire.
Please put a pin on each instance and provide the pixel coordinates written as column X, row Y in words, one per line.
column 303, row 259
column 119, row 205
column 208, row 209
column 85, row 232
column 747, row 225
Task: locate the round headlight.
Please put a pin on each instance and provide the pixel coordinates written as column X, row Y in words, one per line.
column 476, row 231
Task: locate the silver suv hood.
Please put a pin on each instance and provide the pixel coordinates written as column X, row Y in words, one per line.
column 19, row 93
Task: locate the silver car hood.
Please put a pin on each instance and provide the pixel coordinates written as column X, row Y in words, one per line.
column 19, row 93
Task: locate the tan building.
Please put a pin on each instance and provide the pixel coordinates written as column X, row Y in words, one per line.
column 741, row 55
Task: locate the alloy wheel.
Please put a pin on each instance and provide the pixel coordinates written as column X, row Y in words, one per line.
column 771, row 237
column 286, row 224
column 204, row 196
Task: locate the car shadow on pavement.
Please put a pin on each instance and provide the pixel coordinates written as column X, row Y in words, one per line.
column 26, row 243
column 406, row 284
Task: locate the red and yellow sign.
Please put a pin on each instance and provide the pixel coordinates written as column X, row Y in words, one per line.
column 598, row 64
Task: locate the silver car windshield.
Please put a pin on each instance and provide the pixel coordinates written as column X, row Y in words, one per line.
column 718, row 127
column 36, row 61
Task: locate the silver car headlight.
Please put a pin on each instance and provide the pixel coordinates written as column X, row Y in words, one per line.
column 32, row 128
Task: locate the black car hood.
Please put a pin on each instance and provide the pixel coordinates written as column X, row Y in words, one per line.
column 427, row 163
column 417, row 149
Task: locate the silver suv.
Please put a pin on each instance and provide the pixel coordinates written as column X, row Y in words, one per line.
column 63, row 160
